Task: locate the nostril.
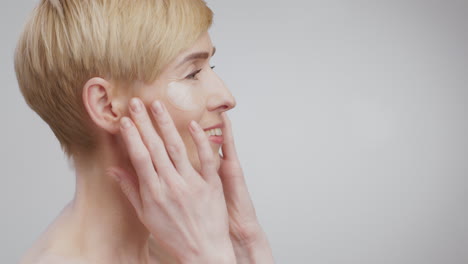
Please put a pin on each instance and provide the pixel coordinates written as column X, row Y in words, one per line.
column 221, row 103
column 230, row 103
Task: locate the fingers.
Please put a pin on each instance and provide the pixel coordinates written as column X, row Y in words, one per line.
column 205, row 153
column 228, row 147
column 173, row 142
column 139, row 155
column 128, row 186
column 152, row 141
column 172, row 148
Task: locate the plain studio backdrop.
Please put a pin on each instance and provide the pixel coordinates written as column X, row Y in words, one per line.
column 351, row 125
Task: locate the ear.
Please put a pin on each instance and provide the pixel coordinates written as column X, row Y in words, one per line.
column 103, row 107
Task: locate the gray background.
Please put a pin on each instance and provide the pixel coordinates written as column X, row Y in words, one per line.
column 351, row 125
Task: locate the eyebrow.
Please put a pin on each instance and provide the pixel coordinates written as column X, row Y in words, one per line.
column 197, row 56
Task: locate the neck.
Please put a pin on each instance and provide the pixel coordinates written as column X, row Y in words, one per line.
column 107, row 227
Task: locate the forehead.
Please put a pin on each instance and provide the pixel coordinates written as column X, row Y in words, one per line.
column 202, row 44
column 202, row 48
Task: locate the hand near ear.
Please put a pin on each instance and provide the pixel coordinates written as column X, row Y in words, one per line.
column 206, row 217
column 249, row 241
column 183, row 209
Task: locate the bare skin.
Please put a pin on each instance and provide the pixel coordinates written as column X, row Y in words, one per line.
column 102, row 224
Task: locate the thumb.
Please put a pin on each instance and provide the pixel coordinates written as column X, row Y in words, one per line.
column 229, row 146
column 232, row 177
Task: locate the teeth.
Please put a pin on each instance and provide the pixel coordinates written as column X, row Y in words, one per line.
column 214, row 132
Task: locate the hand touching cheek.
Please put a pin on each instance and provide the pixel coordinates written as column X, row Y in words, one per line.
column 182, row 208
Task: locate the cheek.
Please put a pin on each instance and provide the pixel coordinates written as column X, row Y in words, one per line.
column 184, row 104
column 183, row 97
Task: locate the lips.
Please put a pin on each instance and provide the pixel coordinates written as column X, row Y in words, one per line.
column 220, row 125
column 217, row 139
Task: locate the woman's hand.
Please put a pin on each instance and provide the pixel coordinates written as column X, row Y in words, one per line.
column 249, row 241
column 185, row 211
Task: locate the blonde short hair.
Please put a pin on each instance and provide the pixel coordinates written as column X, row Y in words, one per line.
column 67, row 42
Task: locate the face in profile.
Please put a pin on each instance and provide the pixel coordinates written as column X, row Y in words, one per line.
column 191, row 90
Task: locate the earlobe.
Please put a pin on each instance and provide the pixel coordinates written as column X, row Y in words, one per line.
column 102, row 106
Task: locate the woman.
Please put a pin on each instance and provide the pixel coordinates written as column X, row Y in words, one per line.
column 127, row 88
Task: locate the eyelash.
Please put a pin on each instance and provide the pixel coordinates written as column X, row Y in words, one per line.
column 194, row 74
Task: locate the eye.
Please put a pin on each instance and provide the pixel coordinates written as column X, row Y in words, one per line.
column 194, row 74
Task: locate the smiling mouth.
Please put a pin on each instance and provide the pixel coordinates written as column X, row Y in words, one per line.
column 214, row 132
column 215, row 135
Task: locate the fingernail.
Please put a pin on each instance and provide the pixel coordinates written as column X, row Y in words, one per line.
column 125, row 122
column 194, row 126
column 157, row 107
column 135, row 105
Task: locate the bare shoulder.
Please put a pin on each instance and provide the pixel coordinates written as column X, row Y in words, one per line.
column 53, row 246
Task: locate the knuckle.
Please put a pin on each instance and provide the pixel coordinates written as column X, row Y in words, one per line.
column 211, row 188
column 174, row 150
column 198, row 191
column 165, row 168
column 141, row 157
column 209, row 171
column 147, row 200
column 178, row 195
column 153, row 147
column 208, row 160
column 179, row 203
column 245, row 233
column 216, row 183
column 164, row 121
column 152, row 198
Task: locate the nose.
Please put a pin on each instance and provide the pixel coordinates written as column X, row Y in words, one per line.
column 220, row 99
